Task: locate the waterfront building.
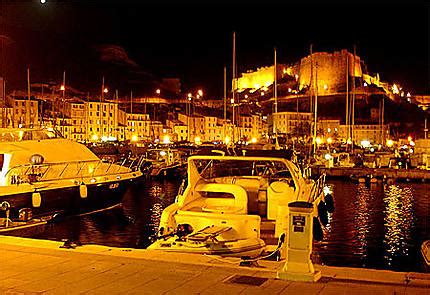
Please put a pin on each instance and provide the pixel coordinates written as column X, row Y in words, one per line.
column 104, row 120
column 374, row 133
column 291, row 123
column 250, row 126
column 6, row 117
column 25, row 112
column 138, row 127
column 179, row 130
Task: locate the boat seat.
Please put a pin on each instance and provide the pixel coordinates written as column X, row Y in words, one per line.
column 278, row 192
column 237, row 203
column 209, row 232
column 252, row 187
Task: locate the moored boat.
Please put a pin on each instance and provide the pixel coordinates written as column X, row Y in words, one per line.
column 235, row 205
column 42, row 174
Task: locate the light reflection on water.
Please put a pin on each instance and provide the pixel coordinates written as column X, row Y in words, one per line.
column 398, row 221
column 376, row 226
column 379, row 226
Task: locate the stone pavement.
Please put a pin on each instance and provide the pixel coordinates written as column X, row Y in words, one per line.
column 31, row 266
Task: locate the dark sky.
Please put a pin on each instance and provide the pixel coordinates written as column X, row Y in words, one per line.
column 192, row 40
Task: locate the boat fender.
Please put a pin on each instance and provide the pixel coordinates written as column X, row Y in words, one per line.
column 329, row 203
column 83, row 191
column 323, row 213
column 184, row 230
column 36, row 199
column 317, row 230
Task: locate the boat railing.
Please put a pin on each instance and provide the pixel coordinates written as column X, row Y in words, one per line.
column 30, row 173
column 317, row 188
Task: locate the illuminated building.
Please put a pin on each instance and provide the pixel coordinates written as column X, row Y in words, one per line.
column 138, row 125
column 25, row 112
column 104, row 119
column 290, row 122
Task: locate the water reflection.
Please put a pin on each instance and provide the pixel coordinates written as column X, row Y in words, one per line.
column 398, row 222
column 362, row 218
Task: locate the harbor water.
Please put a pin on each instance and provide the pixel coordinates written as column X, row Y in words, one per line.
column 378, row 226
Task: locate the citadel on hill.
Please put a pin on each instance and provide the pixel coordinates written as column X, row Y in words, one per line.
column 337, row 84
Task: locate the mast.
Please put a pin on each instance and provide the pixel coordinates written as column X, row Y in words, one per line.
column 316, row 108
column 64, row 103
column 353, row 100
column 347, row 101
column 225, row 99
column 275, row 92
column 27, row 108
column 234, row 84
column 101, row 107
column 310, row 82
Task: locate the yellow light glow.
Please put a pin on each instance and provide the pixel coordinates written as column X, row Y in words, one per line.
column 289, row 90
column 409, row 138
column 200, row 92
column 232, row 101
column 329, row 140
column 189, row 95
column 262, row 93
column 318, row 140
column 105, row 90
column 163, row 153
column 227, row 140
column 246, row 96
column 349, row 141
column 325, row 87
column 390, row 142
column 197, row 140
column 62, row 88
column 158, row 91
column 95, row 137
column 365, row 84
column 166, row 139
column 134, row 138
column 395, row 89
column 253, row 140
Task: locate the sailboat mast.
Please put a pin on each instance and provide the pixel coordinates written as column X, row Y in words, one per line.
column 225, row 99
column 28, row 96
column 316, row 108
column 347, row 99
column 234, row 84
column 275, row 92
column 353, row 99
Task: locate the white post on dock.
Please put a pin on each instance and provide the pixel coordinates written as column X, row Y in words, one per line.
column 298, row 246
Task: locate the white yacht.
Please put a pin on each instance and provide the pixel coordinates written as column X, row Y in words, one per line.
column 234, row 205
column 42, row 173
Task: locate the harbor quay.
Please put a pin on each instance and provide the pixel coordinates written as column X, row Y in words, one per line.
column 32, row 266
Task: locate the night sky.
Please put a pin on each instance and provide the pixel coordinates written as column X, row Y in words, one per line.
column 192, row 40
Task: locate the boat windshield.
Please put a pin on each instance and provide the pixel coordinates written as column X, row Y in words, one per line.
column 8, row 135
column 223, row 168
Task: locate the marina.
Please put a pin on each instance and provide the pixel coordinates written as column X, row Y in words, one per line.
column 380, row 227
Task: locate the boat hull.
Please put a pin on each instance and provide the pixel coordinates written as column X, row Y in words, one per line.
column 67, row 200
column 239, row 248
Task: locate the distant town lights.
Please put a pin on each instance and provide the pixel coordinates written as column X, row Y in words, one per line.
column 390, row 142
column 166, row 139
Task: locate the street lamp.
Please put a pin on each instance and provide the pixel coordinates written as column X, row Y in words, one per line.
column 200, row 92
column 158, row 91
column 105, row 90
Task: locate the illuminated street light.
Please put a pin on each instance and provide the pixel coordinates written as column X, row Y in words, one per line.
column 390, row 142
column 246, row 96
column 134, row 138
column 166, row 139
column 262, row 93
column 200, row 92
column 62, row 88
column 105, row 90
column 198, row 96
column 329, row 140
column 42, row 1
column 325, row 87
column 158, row 91
column 365, row 84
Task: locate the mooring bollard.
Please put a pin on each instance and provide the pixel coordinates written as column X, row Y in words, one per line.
column 298, row 248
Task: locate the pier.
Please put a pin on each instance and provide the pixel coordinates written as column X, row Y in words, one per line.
column 41, row 267
column 379, row 173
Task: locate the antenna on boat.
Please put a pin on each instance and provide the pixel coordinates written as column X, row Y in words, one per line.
column 225, row 100
column 316, row 107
